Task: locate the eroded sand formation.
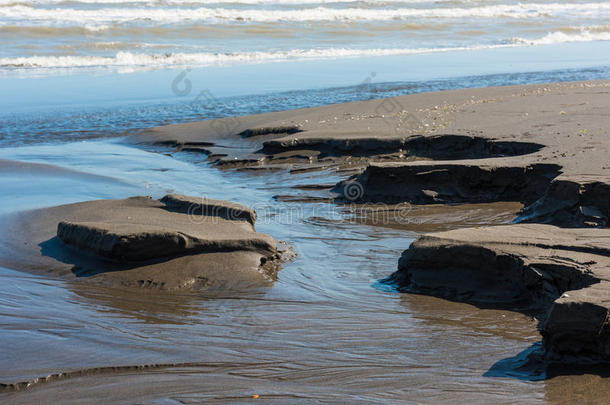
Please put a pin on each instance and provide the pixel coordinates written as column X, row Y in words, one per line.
column 527, row 267
column 445, row 182
column 545, row 146
column 174, row 243
column 573, row 201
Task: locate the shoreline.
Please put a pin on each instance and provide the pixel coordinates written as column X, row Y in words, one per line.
column 239, row 90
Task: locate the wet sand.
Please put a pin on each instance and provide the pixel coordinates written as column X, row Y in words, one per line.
column 544, row 146
column 173, row 243
column 327, row 330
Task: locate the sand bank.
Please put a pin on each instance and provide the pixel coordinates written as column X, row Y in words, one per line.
column 174, row 243
column 525, row 267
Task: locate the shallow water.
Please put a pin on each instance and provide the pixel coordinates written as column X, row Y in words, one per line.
column 327, row 331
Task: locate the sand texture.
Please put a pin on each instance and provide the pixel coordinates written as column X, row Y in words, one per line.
column 524, row 267
column 175, row 243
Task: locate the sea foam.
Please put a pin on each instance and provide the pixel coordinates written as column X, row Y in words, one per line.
column 216, row 15
column 131, row 59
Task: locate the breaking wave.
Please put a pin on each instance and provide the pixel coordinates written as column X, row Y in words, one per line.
column 216, row 15
column 130, row 59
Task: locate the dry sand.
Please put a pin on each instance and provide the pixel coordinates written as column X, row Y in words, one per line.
column 569, row 120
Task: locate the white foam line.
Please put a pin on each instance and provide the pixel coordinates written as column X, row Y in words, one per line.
column 562, row 37
column 181, row 15
column 129, row 59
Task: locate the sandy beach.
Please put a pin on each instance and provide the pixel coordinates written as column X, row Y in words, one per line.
column 304, row 202
column 396, row 240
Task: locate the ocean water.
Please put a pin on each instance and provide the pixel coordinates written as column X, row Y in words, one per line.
column 144, row 34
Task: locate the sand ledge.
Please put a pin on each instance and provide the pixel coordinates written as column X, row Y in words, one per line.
column 563, row 275
column 146, row 243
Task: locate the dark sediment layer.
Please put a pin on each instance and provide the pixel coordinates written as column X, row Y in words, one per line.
column 561, row 274
column 177, row 242
column 283, row 130
column 443, row 146
column 301, row 148
column 449, row 182
column 576, row 201
column 576, row 328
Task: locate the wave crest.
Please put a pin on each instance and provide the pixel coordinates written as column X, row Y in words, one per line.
column 133, row 60
column 559, row 37
column 216, row 15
